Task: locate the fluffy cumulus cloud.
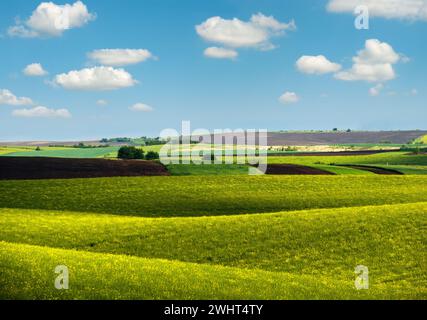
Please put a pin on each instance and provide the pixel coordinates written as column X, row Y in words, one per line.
column 235, row 33
column 221, row 53
column 289, row 97
column 390, row 9
column 316, row 65
column 34, row 70
column 41, row 112
column 95, row 79
column 8, row 98
column 119, row 57
column 51, row 20
column 372, row 64
column 141, row 107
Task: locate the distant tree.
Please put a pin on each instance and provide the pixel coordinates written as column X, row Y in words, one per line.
column 128, row 152
column 348, row 130
column 291, row 149
column 335, row 129
column 80, row 145
column 38, row 149
column 152, row 155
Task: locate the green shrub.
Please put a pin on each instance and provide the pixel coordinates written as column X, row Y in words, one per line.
column 127, row 152
column 152, row 155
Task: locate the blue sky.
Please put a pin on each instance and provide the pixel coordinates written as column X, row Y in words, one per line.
column 179, row 82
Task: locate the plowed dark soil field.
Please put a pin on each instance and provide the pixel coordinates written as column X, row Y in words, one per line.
column 59, row 168
column 293, row 169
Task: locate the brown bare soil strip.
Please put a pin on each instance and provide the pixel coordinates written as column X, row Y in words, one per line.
column 59, row 168
column 293, row 169
column 373, row 169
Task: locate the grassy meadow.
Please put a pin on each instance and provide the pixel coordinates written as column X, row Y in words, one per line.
column 210, row 195
column 307, row 254
column 65, row 152
column 404, row 162
column 214, row 232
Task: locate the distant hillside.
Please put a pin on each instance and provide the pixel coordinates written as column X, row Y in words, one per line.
column 339, row 137
column 280, row 139
column 328, row 138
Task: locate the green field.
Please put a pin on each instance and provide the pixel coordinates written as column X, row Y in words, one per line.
column 218, row 233
column 208, row 170
column 404, row 162
column 388, row 158
column 288, row 255
column 67, row 152
column 422, row 140
column 272, row 242
column 210, row 195
column 9, row 150
column 27, row 273
column 401, row 161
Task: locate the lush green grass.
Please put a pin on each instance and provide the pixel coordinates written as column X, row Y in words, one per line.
column 27, row 272
column 407, row 169
column 390, row 239
column 221, row 247
column 193, row 169
column 8, row 150
column 239, row 169
column 422, row 140
column 390, row 158
column 211, row 195
column 290, row 255
column 67, row 152
column 402, row 161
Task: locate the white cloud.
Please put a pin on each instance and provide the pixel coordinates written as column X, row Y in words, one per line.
column 289, row 97
column 8, row 98
column 41, row 112
column 372, row 64
column 390, row 9
column 375, row 91
column 35, row 70
column 221, row 53
column 376, row 52
column 51, row 20
column 316, row 65
column 102, row 102
column 235, row 33
column 141, row 107
column 22, row 32
column 96, row 79
column 120, row 57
